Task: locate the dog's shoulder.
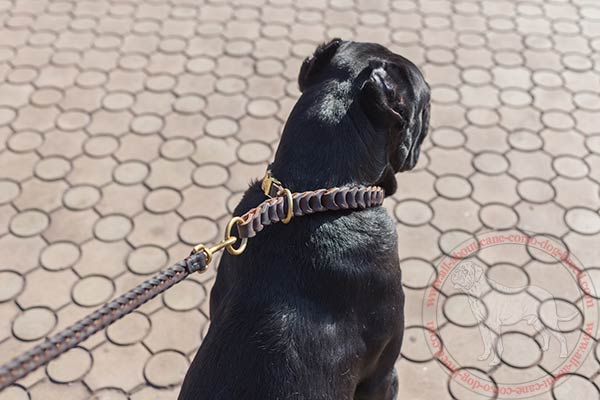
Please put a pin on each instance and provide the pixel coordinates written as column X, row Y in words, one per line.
column 370, row 230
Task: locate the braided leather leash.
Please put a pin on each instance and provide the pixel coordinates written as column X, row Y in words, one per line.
column 271, row 211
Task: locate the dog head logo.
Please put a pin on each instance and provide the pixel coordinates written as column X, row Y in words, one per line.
column 466, row 276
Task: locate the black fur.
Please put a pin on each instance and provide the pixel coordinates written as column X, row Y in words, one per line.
column 314, row 309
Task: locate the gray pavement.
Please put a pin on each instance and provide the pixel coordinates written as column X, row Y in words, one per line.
column 129, row 129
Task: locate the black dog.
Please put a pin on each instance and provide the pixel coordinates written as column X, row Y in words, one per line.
column 314, row 309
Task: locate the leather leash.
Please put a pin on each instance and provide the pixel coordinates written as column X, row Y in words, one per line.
column 281, row 206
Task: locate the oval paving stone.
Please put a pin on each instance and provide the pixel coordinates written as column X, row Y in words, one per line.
column 166, row 368
column 92, row 290
column 71, row 366
column 60, row 255
column 12, row 285
column 34, row 323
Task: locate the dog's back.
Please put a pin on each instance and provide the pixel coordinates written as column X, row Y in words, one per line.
column 294, row 318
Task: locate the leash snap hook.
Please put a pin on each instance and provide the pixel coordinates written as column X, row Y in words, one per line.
column 210, row 250
column 227, row 243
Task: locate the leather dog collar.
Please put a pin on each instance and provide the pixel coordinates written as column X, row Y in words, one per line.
column 276, row 208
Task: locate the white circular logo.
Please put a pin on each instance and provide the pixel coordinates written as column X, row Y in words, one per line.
column 509, row 329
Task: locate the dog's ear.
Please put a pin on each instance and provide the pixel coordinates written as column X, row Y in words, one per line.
column 314, row 64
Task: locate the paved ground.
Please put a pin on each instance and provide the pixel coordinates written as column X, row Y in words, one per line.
column 128, row 130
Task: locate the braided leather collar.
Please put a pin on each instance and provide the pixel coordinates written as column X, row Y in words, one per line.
column 275, row 209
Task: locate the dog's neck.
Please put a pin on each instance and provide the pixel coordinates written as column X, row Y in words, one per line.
column 320, row 151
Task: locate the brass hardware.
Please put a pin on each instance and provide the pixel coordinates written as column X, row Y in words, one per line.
column 200, row 247
column 270, row 186
column 209, row 251
column 229, row 247
column 226, row 243
column 290, row 210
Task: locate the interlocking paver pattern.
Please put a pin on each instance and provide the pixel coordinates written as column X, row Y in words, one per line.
column 129, row 130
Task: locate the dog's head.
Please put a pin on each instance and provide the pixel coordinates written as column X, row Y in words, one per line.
column 346, row 79
column 466, row 275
